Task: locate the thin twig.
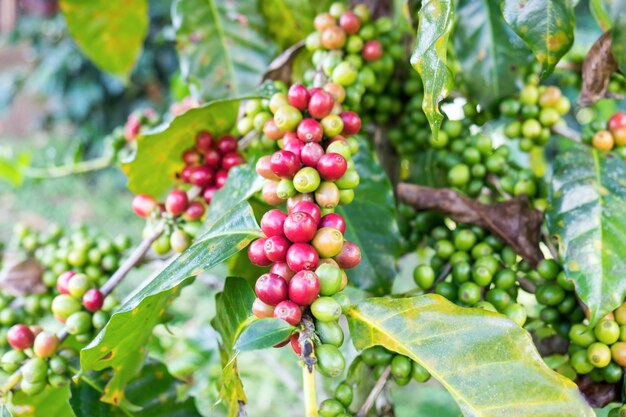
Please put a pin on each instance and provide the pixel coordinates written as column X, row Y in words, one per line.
column 371, row 398
column 242, row 409
column 65, row 170
column 245, row 141
column 548, row 242
column 442, row 275
column 527, row 285
column 566, row 131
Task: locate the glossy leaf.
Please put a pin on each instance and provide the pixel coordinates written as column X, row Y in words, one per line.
column 49, row 402
column 599, row 12
column 586, row 215
column 163, row 148
column 263, row 333
column 234, row 309
column 618, row 38
column 547, row 27
column 491, row 55
column 372, row 225
column 121, row 344
column 109, row 32
column 222, row 51
column 430, row 57
column 155, row 393
column 502, row 374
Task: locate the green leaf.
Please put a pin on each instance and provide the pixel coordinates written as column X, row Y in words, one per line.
column 4, row 411
column 371, row 224
column 547, row 27
column 163, row 148
column 49, row 402
column 12, row 166
column 263, row 333
column 491, row 55
column 121, row 344
column 109, row 32
column 234, row 309
column 601, row 15
column 430, row 57
column 155, row 391
column 221, row 49
column 618, row 38
column 487, row 362
column 586, row 214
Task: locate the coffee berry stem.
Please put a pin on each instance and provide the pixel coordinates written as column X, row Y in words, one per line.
column 82, row 167
column 374, row 393
column 566, row 131
column 308, row 386
column 13, row 380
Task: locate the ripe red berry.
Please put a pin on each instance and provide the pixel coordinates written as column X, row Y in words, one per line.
column 321, row 104
column 212, row 158
column 332, row 166
column 263, row 168
column 304, row 288
column 262, row 310
column 45, row 344
column 20, row 337
column 302, row 256
column 93, row 299
column 176, row 202
column 195, row 211
column 350, row 22
column 227, row 144
column 292, row 201
column 269, row 194
column 271, row 289
column 308, row 207
column 132, row 127
column 63, row 281
column 335, row 221
column 220, row 178
column 232, row 159
column 282, row 269
column 288, row 311
column 185, row 174
column 372, row 51
column 202, row 176
column 351, row 123
column 311, row 154
column 295, row 343
column 191, row 157
column 294, row 146
column 207, row 194
column 143, row 204
column 256, row 253
column 271, row 130
column 300, row 227
column 276, row 248
column 272, row 223
column 349, row 257
column 298, row 96
column 204, row 141
column 310, row 130
column 333, row 37
column 616, row 121
column 284, row 164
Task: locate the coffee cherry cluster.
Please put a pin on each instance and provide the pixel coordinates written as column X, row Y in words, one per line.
column 376, row 359
column 140, row 120
column 206, row 167
column 474, row 269
column 536, row 110
column 600, row 351
column 609, row 136
column 354, row 53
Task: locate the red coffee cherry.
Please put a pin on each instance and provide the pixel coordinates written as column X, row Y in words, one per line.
column 93, row 300
column 372, row 51
column 284, row 164
column 349, row 257
column 308, row 207
column 20, row 337
column 256, row 253
column 271, row 130
column 304, row 288
column 176, row 202
column 335, row 221
column 300, row 227
column 282, row 269
column 269, row 193
column 276, row 248
column 321, row 104
column 227, row 144
column 45, row 344
column 311, row 154
column 302, row 256
column 262, row 310
column 263, row 168
column 185, row 174
column 202, row 176
column 294, row 146
column 220, row 178
column 288, row 311
column 231, row 160
column 212, row 158
column 191, row 157
column 271, row 289
column 295, row 343
column 616, row 121
column 195, row 211
column 207, row 194
column 63, row 281
column 143, row 204
column 292, row 201
column 204, row 141
column 298, row 96
column 350, row 22
column 310, row 130
column 351, row 123
column 332, row 166
column 272, row 223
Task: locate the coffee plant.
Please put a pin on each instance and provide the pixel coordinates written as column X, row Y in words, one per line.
column 397, row 195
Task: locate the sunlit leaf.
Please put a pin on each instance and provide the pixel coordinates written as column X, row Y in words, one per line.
column 49, row 402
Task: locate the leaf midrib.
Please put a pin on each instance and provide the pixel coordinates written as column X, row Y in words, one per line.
column 222, row 37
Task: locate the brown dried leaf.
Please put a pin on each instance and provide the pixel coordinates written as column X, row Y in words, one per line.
column 281, row 67
column 597, row 394
column 22, row 277
column 513, row 221
column 598, row 66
